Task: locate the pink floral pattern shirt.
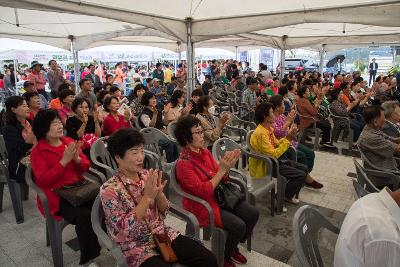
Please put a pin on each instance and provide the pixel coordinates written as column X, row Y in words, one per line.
column 132, row 235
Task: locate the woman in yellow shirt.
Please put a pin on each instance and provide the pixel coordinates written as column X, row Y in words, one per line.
column 264, row 141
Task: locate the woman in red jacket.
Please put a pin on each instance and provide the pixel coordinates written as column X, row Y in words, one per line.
column 58, row 161
column 199, row 174
column 115, row 121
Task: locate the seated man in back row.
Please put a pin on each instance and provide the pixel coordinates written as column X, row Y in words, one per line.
column 378, row 147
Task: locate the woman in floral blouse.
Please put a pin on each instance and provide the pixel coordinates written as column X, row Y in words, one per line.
column 281, row 126
column 135, row 207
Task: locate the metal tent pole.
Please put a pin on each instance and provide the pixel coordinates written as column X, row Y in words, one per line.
column 189, row 59
column 236, row 53
column 321, row 60
column 76, row 63
column 15, row 74
column 282, row 70
column 179, row 52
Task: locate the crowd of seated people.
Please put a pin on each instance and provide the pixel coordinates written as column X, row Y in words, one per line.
column 59, row 135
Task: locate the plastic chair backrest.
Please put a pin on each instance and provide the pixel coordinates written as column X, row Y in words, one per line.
column 136, row 123
column 102, row 158
column 171, row 129
column 362, row 177
column 307, row 223
column 97, row 218
column 248, row 141
column 3, row 153
column 359, row 189
column 152, row 136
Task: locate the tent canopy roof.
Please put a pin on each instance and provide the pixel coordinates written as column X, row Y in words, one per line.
column 306, row 23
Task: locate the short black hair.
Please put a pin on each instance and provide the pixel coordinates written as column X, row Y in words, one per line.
column 276, row 101
column 283, row 91
column 262, row 111
column 344, row 85
column 106, row 84
column 203, row 103
column 197, row 92
column 146, row 98
column 64, row 94
column 109, row 75
column 63, row 86
column 29, row 95
column 102, row 95
column 253, row 81
column 83, row 81
column 372, row 112
column 90, row 65
column 107, row 102
column 12, row 102
column 42, row 122
column 149, row 80
column 175, row 96
column 334, row 94
column 114, row 89
column 158, row 64
column 183, row 129
column 51, row 60
column 208, row 76
column 123, row 140
column 290, row 85
column 301, row 91
column 78, row 101
column 138, row 87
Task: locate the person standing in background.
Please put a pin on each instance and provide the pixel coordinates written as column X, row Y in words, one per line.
column 167, row 74
column 55, row 76
column 119, row 75
column 158, row 73
column 373, row 68
column 38, row 79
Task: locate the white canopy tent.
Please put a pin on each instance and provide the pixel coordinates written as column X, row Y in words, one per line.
column 286, row 24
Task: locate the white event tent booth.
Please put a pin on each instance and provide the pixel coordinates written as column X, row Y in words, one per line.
column 183, row 24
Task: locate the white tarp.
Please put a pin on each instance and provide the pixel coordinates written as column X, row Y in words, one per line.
column 307, row 23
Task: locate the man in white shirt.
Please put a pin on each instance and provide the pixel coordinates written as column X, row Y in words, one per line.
column 370, row 233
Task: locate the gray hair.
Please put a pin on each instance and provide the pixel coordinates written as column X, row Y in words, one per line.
column 389, row 107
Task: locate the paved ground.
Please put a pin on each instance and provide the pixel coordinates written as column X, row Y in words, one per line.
column 24, row 244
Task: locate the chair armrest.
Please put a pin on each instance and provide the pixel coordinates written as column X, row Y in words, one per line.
column 106, row 240
column 109, row 171
column 42, row 196
column 192, row 224
column 395, row 179
column 95, row 176
column 200, row 201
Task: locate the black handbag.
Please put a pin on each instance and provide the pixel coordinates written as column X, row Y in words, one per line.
column 227, row 194
column 78, row 193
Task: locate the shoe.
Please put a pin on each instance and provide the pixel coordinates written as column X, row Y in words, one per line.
column 327, row 145
column 293, row 200
column 229, row 263
column 314, row 184
column 238, row 257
